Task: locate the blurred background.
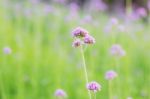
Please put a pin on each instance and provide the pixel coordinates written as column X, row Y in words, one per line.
column 37, row 57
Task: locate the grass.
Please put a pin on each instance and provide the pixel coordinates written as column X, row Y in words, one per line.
column 43, row 59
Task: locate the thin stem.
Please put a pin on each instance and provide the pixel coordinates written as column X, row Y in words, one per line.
column 60, row 98
column 110, row 89
column 2, row 81
column 94, row 95
column 85, row 71
column 128, row 6
column 2, row 88
column 118, row 79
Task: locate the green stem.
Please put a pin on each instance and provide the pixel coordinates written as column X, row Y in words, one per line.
column 2, row 80
column 94, row 95
column 2, row 88
column 85, row 71
column 110, row 89
column 128, row 6
column 118, row 79
column 60, row 98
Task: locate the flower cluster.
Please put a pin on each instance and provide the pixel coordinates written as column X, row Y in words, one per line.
column 114, row 25
column 94, row 86
column 141, row 12
column 114, row 21
column 60, row 93
column 7, row 50
column 117, row 50
column 110, row 75
column 81, row 37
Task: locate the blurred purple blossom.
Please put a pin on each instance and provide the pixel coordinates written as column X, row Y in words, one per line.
column 60, row 1
column 110, row 75
column 74, row 8
column 73, row 11
column 7, row 50
column 60, row 93
column 48, row 9
column 87, row 19
column 148, row 4
column 132, row 17
column 141, row 12
column 98, row 5
column 117, row 50
column 114, row 21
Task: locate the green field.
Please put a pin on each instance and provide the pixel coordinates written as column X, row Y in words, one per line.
column 43, row 59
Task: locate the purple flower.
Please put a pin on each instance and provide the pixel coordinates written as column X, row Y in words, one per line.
column 81, row 37
column 60, row 1
column 117, row 50
column 114, row 21
column 79, row 32
column 94, row 86
column 148, row 4
column 60, row 93
column 110, row 75
column 48, row 9
column 98, row 5
column 133, row 16
column 73, row 12
column 7, row 50
column 141, row 12
column 73, row 7
column 87, row 19
column 77, row 43
column 89, row 40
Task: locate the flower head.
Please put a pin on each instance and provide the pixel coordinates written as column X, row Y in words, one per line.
column 60, row 93
column 94, row 86
column 79, row 32
column 77, row 43
column 117, row 50
column 60, row 1
column 81, row 37
column 141, row 12
column 114, row 21
column 87, row 19
column 7, row 50
column 148, row 4
column 48, row 9
column 74, row 7
column 110, row 75
column 98, row 5
column 89, row 40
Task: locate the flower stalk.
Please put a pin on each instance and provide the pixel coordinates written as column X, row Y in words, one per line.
column 85, row 70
